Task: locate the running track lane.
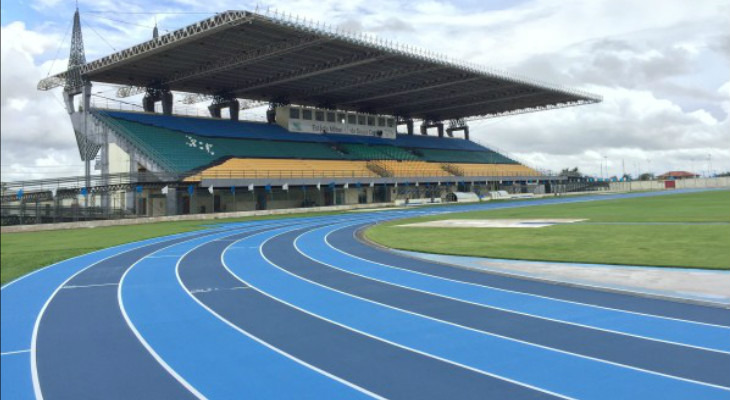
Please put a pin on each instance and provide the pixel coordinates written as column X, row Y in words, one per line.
column 22, row 301
column 522, row 363
column 680, row 361
column 26, row 298
column 216, row 362
column 315, row 244
column 18, row 322
column 347, row 241
column 84, row 346
column 367, row 362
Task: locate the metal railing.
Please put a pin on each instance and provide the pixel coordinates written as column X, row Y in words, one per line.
column 79, row 181
column 45, row 214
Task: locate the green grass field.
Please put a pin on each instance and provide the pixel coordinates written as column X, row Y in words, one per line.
column 692, row 244
column 24, row 252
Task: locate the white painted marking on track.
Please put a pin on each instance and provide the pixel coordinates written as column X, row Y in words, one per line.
column 533, row 294
column 144, row 343
column 484, row 332
column 10, row 353
column 485, row 305
column 89, row 286
column 376, row 337
column 142, row 340
column 208, row 290
column 152, row 241
column 166, row 256
column 34, row 337
column 257, row 339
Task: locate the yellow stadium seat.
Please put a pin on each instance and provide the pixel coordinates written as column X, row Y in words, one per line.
column 412, row 168
column 253, row 168
column 494, row 169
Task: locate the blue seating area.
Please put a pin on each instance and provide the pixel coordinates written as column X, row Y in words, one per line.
column 252, row 130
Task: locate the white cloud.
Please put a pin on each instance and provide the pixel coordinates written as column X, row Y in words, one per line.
column 35, row 129
column 631, row 125
column 660, row 65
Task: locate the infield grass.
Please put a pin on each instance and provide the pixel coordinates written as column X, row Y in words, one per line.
column 23, row 252
column 681, row 230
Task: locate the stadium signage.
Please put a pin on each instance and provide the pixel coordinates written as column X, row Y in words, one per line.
column 199, row 144
column 322, row 121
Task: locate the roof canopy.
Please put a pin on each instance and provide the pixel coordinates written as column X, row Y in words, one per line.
column 275, row 58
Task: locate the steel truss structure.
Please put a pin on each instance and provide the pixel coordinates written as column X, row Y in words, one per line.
column 274, row 57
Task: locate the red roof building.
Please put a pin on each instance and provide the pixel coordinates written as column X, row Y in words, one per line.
column 673, row 175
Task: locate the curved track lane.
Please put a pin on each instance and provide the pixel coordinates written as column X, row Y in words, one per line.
column 302, row 308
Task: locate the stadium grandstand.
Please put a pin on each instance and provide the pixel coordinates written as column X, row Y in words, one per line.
column 339, row 128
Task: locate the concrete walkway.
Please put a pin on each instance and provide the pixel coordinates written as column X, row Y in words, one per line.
column 695, row 285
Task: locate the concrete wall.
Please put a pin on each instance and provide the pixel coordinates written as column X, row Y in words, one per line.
column 118, row 159
column 679, row 184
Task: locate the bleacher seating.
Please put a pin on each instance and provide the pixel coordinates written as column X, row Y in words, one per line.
column 412, row 168
column 450, row 156
column 279, row 168
column 186, row 145
column 494, row 169
column 379, row 152
column 254, row 130
column 397, row 153
column 189, row 152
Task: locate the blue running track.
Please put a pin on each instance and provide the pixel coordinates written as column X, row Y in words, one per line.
column 301, row 308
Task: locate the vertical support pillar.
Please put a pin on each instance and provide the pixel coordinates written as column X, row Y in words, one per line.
column 171, row 201
column 155, row 94
column 86, row 98
column 167, row 102
column 105, row 201
column 233, row 108
column 215, row 110
column 131, row 195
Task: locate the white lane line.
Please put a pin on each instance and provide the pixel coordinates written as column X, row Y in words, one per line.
column 154, row 240
column 376, row 337
column 187, row 385
column 34, row 337
column 165, row 256
column 89, row 286
column 147, row 346
column 489, row 306
column 10, row 353
column 208, row 290
column 527, row 293
column 488, row 333
column 257, row 339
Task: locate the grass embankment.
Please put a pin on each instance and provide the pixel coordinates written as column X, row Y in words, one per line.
column 21, row 253
column 692, row 244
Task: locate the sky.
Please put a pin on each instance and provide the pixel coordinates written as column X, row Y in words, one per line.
column 662, row 67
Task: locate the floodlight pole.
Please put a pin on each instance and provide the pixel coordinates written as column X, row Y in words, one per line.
column 709, row 165
column 76, row 84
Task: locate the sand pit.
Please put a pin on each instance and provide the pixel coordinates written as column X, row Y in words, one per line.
column 492, row 223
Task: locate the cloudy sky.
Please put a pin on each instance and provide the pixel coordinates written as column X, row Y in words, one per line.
column 662, row 67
